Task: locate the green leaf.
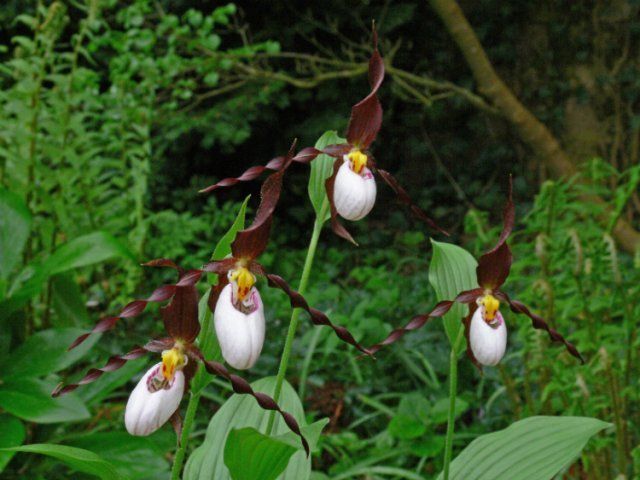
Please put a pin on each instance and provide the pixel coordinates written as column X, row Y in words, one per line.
column 30, row 399
column 311, row 433
column 440, row 410
column 78, row 459
column 223, row 248
column 452, row 271
column 534, row 448
column 248, row 454
column 68, row 302
column 86, row 250
column 45, row 352
column 321, row 169
column 15, row 223
column 410, row 421
column 241, row 411
column 12, row 434
column 134, row 457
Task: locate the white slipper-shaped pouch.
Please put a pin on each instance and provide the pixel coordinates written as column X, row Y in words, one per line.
column 240, row 331
column 488, row 341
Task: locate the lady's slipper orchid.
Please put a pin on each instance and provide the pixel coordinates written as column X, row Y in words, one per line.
column 485, row 328
column 154, row 400
column 157, row 396
column 351, row 188
column 235, row 300
column 239, row 323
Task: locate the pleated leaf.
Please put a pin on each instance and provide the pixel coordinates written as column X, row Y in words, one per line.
column 249, row 454
column 241, row 411
column 321, row 169
column 536, row 448
column 452, row 270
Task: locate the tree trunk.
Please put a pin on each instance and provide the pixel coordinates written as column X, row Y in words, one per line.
column 531, row 131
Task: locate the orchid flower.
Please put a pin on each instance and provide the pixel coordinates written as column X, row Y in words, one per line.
column 485, row 328
column 351, row 188
column 235, row 300
column 157, row 396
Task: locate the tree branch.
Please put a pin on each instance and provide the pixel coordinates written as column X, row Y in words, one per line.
column 532, row 132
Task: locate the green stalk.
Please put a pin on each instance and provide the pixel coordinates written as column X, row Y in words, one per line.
column 453, row 387
column 293, row 323
column 197, row 385
column 189, row 418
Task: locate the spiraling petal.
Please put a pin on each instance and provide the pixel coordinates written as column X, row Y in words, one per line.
column 241, row 335
column 354, row 193
column 488, row 342
column 148, row 410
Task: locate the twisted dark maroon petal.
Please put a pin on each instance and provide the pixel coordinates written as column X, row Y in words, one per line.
column 304, row 156
column 252, row 241
column 366, row 115
column 176, row 422
column 329, row 186
column 114, row 363
column 337, row 151
column 317, row 317
column 494, row 266
column 180, row 317
column 242, row 387
column 404, row 198
column 416, row 322
column 135, row 308
column 250, row 174
column 539, row 323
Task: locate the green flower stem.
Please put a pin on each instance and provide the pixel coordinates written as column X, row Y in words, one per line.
column 192, row 408
column 293, row 323
column 453, row 386
column 194, row 400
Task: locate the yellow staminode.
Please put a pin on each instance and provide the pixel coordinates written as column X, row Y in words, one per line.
column 491, row 305
column 172, row 360
column 244, row 279
column 358, row 160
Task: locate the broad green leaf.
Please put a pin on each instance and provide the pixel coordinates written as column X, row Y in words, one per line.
column 223, row 248
column 311, row 434
column 410, row 421
column 15, row 223
column 68, row 302
column 78, row 459
column 241, row 411
column 536, row 448
column 30, row 399
column 86, row 250
column 440, row 410
column 79, row 252
column 452, row 271
column 248, row 454
column 134, row 457
column 12, row 434
column 45, row 352
column 321, row 169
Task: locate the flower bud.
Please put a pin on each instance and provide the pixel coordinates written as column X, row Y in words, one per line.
column 149, row 407
column 354, row 193
column 488, row 341
column 240, row 327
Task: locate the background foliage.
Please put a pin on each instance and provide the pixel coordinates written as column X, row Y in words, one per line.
column 113, row 115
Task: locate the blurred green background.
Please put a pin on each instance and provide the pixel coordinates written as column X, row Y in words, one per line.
column 114, row 114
